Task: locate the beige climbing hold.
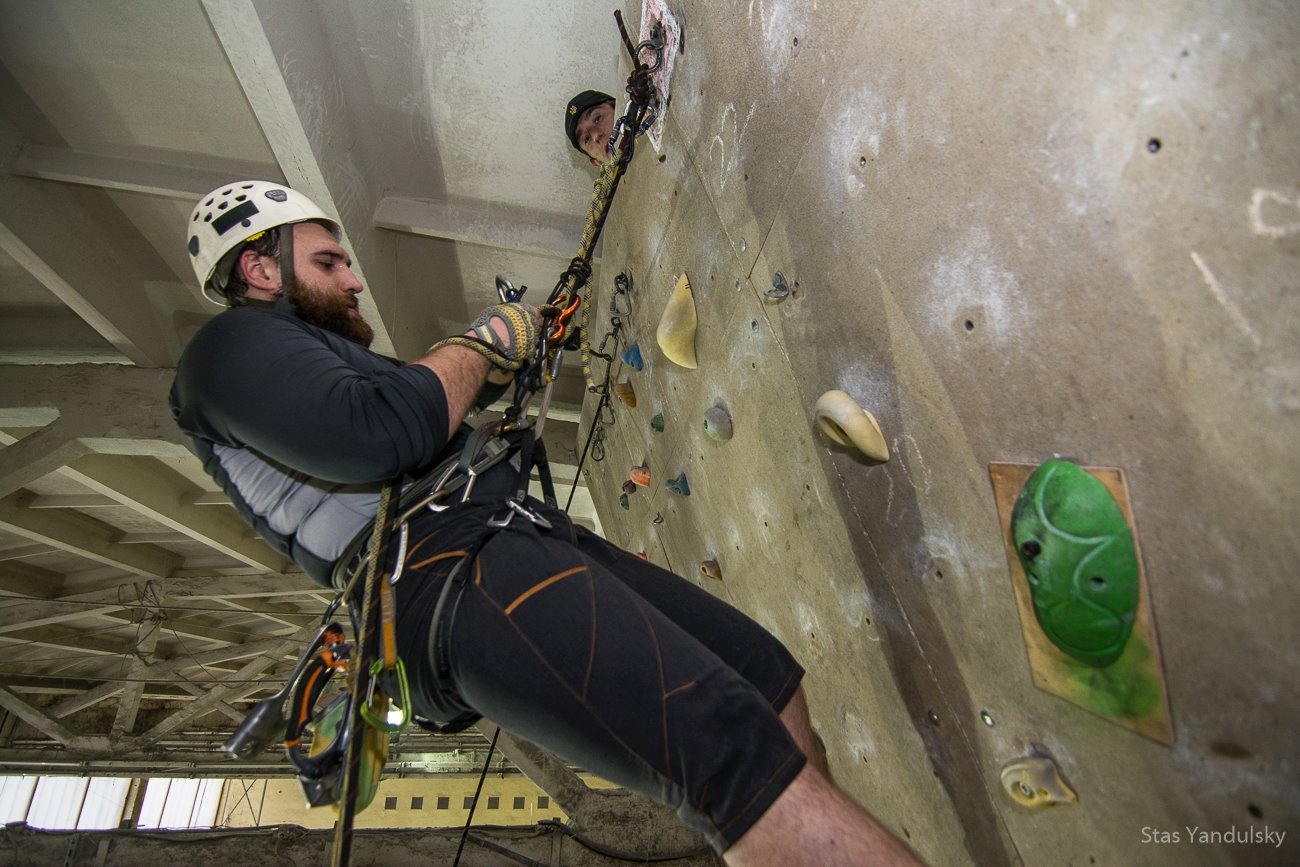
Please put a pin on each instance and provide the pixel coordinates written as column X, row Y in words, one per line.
column 626, row 393
column 841, row 419
column 676, row 334
column 710, row 569
column 1036, row 782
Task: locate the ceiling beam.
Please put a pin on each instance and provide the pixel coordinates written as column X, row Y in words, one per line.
column 233, row 713
column 23, row 461
column 82, row 536
column 128, row 706
column 104, row 284
column 167, row 670
column 485, row 224
column 282, row 614
column 174, row 180
column 155, row 492
column 236, row 688
column 46, row 724
column 61, row 638
column 26, row 580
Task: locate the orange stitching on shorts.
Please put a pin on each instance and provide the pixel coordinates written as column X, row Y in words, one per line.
column 411, row 551
column 435, row 558
column 673, row 692
column 541, row 585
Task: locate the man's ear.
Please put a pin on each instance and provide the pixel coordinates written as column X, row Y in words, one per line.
column 260, row 272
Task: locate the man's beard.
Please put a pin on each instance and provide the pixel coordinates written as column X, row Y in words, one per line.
column 331, row 311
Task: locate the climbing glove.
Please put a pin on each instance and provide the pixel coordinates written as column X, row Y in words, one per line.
column 513, row 351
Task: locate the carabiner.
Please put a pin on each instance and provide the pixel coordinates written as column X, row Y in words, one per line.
column 403, row 703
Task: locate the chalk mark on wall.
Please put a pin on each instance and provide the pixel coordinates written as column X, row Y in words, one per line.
column 924, row 478
column 1238, row 318
column 1263, row 227
column 738, row 135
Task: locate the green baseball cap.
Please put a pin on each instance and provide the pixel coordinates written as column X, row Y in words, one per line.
column 573, row 111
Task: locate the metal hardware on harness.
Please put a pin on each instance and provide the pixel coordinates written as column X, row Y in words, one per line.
column 494, row 451
column 405, row 532
column 517, row 508
column 267, row 719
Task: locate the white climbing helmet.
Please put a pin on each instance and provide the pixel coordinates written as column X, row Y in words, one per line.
column 233, row 214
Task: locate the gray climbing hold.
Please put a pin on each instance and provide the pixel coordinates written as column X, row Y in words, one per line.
column 717, row 424
column 678, row 485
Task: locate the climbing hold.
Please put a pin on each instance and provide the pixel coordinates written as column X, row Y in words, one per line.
column 1036, row 783
column 676, row 334
column 643, row 555
column 659, row 518
column 779, row 290
column 640, row 475
column 848, row 424
column 632, row 357
column 717, row 424
column 629, row 487
column 626, row 393
column 678, row 485
column 710, row 569
column 622, row 501
column 657, row 423
column 1080, row 560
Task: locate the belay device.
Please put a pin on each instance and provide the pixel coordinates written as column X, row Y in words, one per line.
column 350, row 734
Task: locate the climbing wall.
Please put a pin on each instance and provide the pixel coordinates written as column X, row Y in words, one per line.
column 1011, row 232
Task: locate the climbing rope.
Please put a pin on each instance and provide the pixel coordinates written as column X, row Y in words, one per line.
column 567, row 311
column 359, row 677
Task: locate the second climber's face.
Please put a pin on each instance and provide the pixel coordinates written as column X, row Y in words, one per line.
column 593, row 131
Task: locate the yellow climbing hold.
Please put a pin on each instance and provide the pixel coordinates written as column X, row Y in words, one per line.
column 848, row 424
column 676, row 334
column 1036, row 782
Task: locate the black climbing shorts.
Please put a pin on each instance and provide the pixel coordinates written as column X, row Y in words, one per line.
column 617, row 665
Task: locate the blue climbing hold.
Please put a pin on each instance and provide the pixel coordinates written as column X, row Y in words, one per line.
column 678, row 485
column 632, row 357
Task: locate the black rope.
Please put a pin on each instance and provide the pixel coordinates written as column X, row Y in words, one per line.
column 474, row 804
column 595, row 424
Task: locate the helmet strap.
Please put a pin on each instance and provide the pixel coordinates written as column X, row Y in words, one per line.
column 286, row 257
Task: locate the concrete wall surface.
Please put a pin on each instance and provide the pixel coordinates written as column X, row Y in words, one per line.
column 1014, row 231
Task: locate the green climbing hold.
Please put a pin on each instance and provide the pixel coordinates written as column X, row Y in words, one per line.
column 657, row 423
column 622, row 501
column 1080, row 560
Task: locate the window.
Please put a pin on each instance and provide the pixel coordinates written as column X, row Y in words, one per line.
column 417, row 803
column 390, row 803
column 469, row 801
column 444, row 803
column 519, row 802
column 543, row 802
column 494, row 803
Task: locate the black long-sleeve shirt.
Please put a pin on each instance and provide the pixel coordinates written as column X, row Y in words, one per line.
column 301, row 427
